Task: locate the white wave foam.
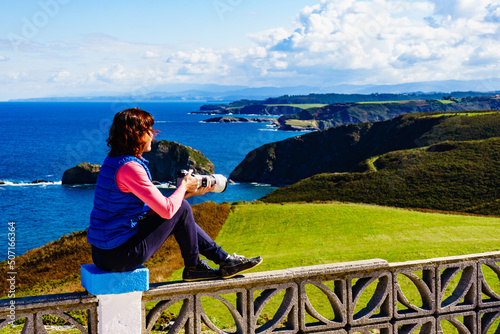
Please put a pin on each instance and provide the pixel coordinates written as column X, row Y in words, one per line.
column 166, row 186
column 25, row 184
column 85, row 185
column 257, row 184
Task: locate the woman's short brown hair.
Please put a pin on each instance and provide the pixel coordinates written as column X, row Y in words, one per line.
column 127, row 132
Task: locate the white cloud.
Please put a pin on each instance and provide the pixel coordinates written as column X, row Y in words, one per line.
column 3, row 58
column 384, row 41
column 151, row 54
column 113, row 73
column 17, row 75
column 60, row 76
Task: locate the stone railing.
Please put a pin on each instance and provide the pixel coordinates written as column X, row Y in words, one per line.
column 454, row 294
column 364, row 296
column 32, row 309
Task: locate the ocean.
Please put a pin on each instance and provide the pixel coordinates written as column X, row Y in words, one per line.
column 40, row 140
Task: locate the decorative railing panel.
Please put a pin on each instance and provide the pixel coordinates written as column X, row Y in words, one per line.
column 33, row 309
column 337, row 300
column 429, row 296
column 489, row 297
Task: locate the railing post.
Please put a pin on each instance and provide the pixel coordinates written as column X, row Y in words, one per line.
column 119, row 308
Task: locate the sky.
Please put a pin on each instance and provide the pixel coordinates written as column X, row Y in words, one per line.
column 90, row 47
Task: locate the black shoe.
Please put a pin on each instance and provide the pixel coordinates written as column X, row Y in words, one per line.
column 236, row 264
column 199, row 272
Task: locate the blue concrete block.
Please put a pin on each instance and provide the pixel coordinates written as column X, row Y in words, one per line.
column 100, row 282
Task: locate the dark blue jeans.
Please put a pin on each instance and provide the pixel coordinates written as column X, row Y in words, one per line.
column 152, row 233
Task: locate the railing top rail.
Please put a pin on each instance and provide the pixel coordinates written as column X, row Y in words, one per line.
column 445, row 260
column 267, row 277
column 48, row 301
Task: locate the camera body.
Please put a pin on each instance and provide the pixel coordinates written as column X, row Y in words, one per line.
column 219, row 180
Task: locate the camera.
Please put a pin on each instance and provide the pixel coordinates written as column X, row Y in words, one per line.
column 219, row 180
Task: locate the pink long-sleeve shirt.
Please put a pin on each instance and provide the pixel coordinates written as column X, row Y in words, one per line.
column 132, row 178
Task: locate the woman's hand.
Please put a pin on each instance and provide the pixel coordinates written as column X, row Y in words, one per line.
column 190, row 182
column 199, row 191
column 192, row 185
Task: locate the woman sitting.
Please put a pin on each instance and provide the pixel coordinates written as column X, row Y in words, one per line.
column 131, row 218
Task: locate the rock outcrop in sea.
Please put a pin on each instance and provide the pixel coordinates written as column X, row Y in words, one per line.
column 83, row 173
column 258, row 109
column 228, row 119
column 166, row 158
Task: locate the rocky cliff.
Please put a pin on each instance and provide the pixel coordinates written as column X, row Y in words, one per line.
column 343, row 148
column 166, row 158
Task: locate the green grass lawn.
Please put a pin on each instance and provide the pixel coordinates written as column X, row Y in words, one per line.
column 296, row 235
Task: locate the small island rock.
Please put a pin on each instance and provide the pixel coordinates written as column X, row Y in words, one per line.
column 83, row 173
column 229, row 119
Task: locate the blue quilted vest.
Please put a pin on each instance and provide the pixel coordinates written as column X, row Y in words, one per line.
column 115, row 214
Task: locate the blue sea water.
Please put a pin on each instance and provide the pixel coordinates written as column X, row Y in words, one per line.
column 40, row 140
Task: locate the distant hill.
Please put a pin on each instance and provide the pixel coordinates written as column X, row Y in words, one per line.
column 214, row 92
column 450, row 176
column 343, row 148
